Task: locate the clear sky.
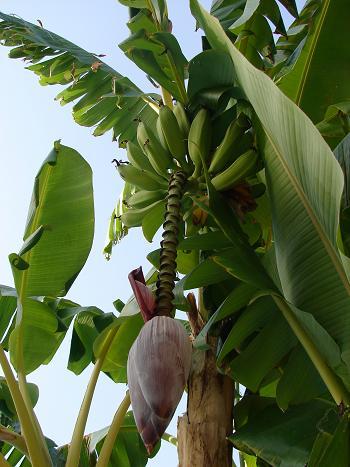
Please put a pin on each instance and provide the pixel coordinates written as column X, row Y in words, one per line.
column 30, row 121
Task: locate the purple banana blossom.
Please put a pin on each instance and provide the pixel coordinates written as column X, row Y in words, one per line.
column 143, row 295
column 158, row 368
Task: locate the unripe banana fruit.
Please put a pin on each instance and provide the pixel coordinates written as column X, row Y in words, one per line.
column 161, row 135
column 143, row 198
column 242, row 167
column 223, row 152
column 182, row 119
column 159, row 158
column 134, row 217
column 137, row 157
column 140, row 178
column 199, row 140
column 172, row 134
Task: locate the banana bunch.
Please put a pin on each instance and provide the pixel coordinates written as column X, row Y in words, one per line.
column 177, row 144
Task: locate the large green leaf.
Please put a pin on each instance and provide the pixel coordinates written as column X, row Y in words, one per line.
column 106, row 99
column 285, row 439
column 57, row 240
column 39, row 337
column 305, row 186
column 62, row 203
column 300, row 381
column 263, row 353
column 319, row 76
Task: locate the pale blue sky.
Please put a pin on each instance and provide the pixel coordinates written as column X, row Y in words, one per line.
column 30, row 120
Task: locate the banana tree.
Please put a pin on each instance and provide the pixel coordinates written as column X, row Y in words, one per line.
column 233, row 164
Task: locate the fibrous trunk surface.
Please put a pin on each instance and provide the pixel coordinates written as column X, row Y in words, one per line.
column 203, row 431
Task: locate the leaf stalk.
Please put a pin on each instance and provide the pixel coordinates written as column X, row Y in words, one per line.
column 113, row 431
column 331, row 380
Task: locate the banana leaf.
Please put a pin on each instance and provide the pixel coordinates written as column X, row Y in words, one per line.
column 103, row 97
column 318, row 77
column 305, row 186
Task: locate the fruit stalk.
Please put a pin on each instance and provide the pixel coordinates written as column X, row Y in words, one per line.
column 167, row 267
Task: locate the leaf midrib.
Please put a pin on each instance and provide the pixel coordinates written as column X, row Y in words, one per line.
column 34, row 226
column 318, row 227
column 305, row 73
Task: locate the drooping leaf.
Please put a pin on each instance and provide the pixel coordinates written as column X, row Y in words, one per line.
column 299, row 165
column 263, row 353
column 233, row 302
column 106, row 99
column 214, row 240
column 160, row 56
column 325, row 49
column 300, row 381
column 254, row 318
column 206, row 273
column 225, row 219
column 84, row 334
column 209, row 70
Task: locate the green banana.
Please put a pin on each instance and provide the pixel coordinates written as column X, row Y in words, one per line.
column 172, row 134
column 199, row 140
column 134, row 217
column 242, row 167
column 161, row 135
column 182, row 119
column 159, row 158
column 140, row 178
column 137, row 157
column 143, row 198
column 223, row 153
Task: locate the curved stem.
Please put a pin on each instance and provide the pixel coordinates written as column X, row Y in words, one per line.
column 78, row 433
column 151, row 103
column 179, row 82
column 113, row 431
column 170, row 438
column 331, row 380
column 35, row 452
column 22, row 381
column 14, row 439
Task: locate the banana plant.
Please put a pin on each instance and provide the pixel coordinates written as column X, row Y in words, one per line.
column 249, row 198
